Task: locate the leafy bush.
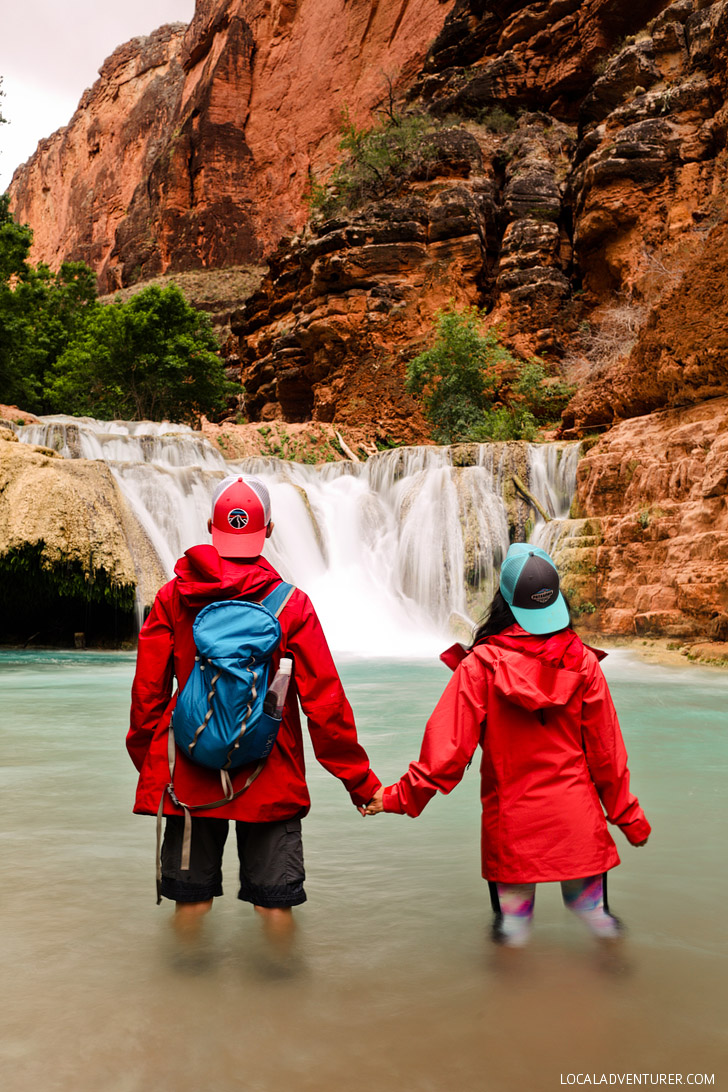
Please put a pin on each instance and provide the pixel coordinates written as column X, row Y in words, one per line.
column 466, row 382
column 497, row 119
column 507, row 423
column 457, row 376
column 545, row 397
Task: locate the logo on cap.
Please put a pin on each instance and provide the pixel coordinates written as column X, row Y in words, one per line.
column 543, row 595
column 237, row 518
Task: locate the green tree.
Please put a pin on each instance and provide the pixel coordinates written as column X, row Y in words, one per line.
column 473, row 388
column 15, row 240
column 151, row 357
column 40, row 312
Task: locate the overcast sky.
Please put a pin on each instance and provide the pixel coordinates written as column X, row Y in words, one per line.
column 51, row 51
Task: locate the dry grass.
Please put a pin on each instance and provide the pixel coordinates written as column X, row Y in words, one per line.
column 612, row 336
column 218, row 291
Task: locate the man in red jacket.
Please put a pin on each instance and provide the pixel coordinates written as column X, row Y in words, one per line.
column 268, row 813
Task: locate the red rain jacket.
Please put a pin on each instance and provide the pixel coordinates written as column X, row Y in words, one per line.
column 166, row 650
column 541, row 710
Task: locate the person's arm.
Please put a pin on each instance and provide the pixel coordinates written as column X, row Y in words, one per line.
column 330, row 717
column 606, row 757
column 152, row 686
column 451, row 735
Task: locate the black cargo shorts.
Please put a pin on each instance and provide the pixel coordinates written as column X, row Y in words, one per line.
column 270, row 854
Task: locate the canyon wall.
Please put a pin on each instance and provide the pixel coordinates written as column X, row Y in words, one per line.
column 575, row 186
column 194, row 147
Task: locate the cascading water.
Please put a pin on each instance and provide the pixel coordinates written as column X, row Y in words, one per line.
column 391, row 551
column 552, row 478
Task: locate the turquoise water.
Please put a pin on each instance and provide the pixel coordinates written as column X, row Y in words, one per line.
column 395, row 981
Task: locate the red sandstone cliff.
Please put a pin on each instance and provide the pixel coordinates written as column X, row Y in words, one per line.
column 194, row 147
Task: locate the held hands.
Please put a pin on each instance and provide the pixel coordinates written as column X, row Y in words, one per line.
column 375, row 805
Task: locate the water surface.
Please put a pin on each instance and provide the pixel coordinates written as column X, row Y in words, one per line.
column 395, row 981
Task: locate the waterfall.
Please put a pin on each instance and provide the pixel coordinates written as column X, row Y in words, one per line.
column 394, row 552
column 552, row 479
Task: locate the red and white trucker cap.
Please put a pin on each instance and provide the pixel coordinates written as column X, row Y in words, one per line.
column 240, row 516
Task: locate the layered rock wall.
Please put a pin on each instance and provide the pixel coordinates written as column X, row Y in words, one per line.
column 320, row 340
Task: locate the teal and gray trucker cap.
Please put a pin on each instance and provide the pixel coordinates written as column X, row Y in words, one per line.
column 529, row 583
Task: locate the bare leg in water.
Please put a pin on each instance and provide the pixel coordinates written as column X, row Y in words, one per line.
column 279, row 926
column 187, row 920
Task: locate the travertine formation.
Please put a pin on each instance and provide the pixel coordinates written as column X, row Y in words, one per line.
column 70, row 514
column 70, row 507
column 651, row 557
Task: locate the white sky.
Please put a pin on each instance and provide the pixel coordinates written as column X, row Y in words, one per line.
column 50, row 52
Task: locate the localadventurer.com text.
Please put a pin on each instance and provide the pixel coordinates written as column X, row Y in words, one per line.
column 638, row 1078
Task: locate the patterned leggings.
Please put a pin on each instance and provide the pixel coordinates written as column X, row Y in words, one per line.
column 513, row 908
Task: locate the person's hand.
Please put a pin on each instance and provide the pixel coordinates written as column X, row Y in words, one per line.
column 363, row 809
column 376, row 803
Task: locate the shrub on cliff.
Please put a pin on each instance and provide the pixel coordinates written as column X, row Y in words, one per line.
column 457, row 376
column 377, row 160
column 473, row 389
column 152, row 357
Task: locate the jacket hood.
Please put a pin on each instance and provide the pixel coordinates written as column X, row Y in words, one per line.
column 204, row 577
column 532, row 671
column 533, row 685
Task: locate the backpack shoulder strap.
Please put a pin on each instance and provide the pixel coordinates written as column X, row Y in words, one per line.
column 277, row 599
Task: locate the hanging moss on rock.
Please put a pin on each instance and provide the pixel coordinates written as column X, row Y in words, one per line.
column 50, row 601
column 65, row 562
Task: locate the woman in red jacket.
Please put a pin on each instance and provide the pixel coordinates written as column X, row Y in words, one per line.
column 535, row 699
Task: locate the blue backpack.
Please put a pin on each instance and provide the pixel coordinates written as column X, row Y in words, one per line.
column 219, row 720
